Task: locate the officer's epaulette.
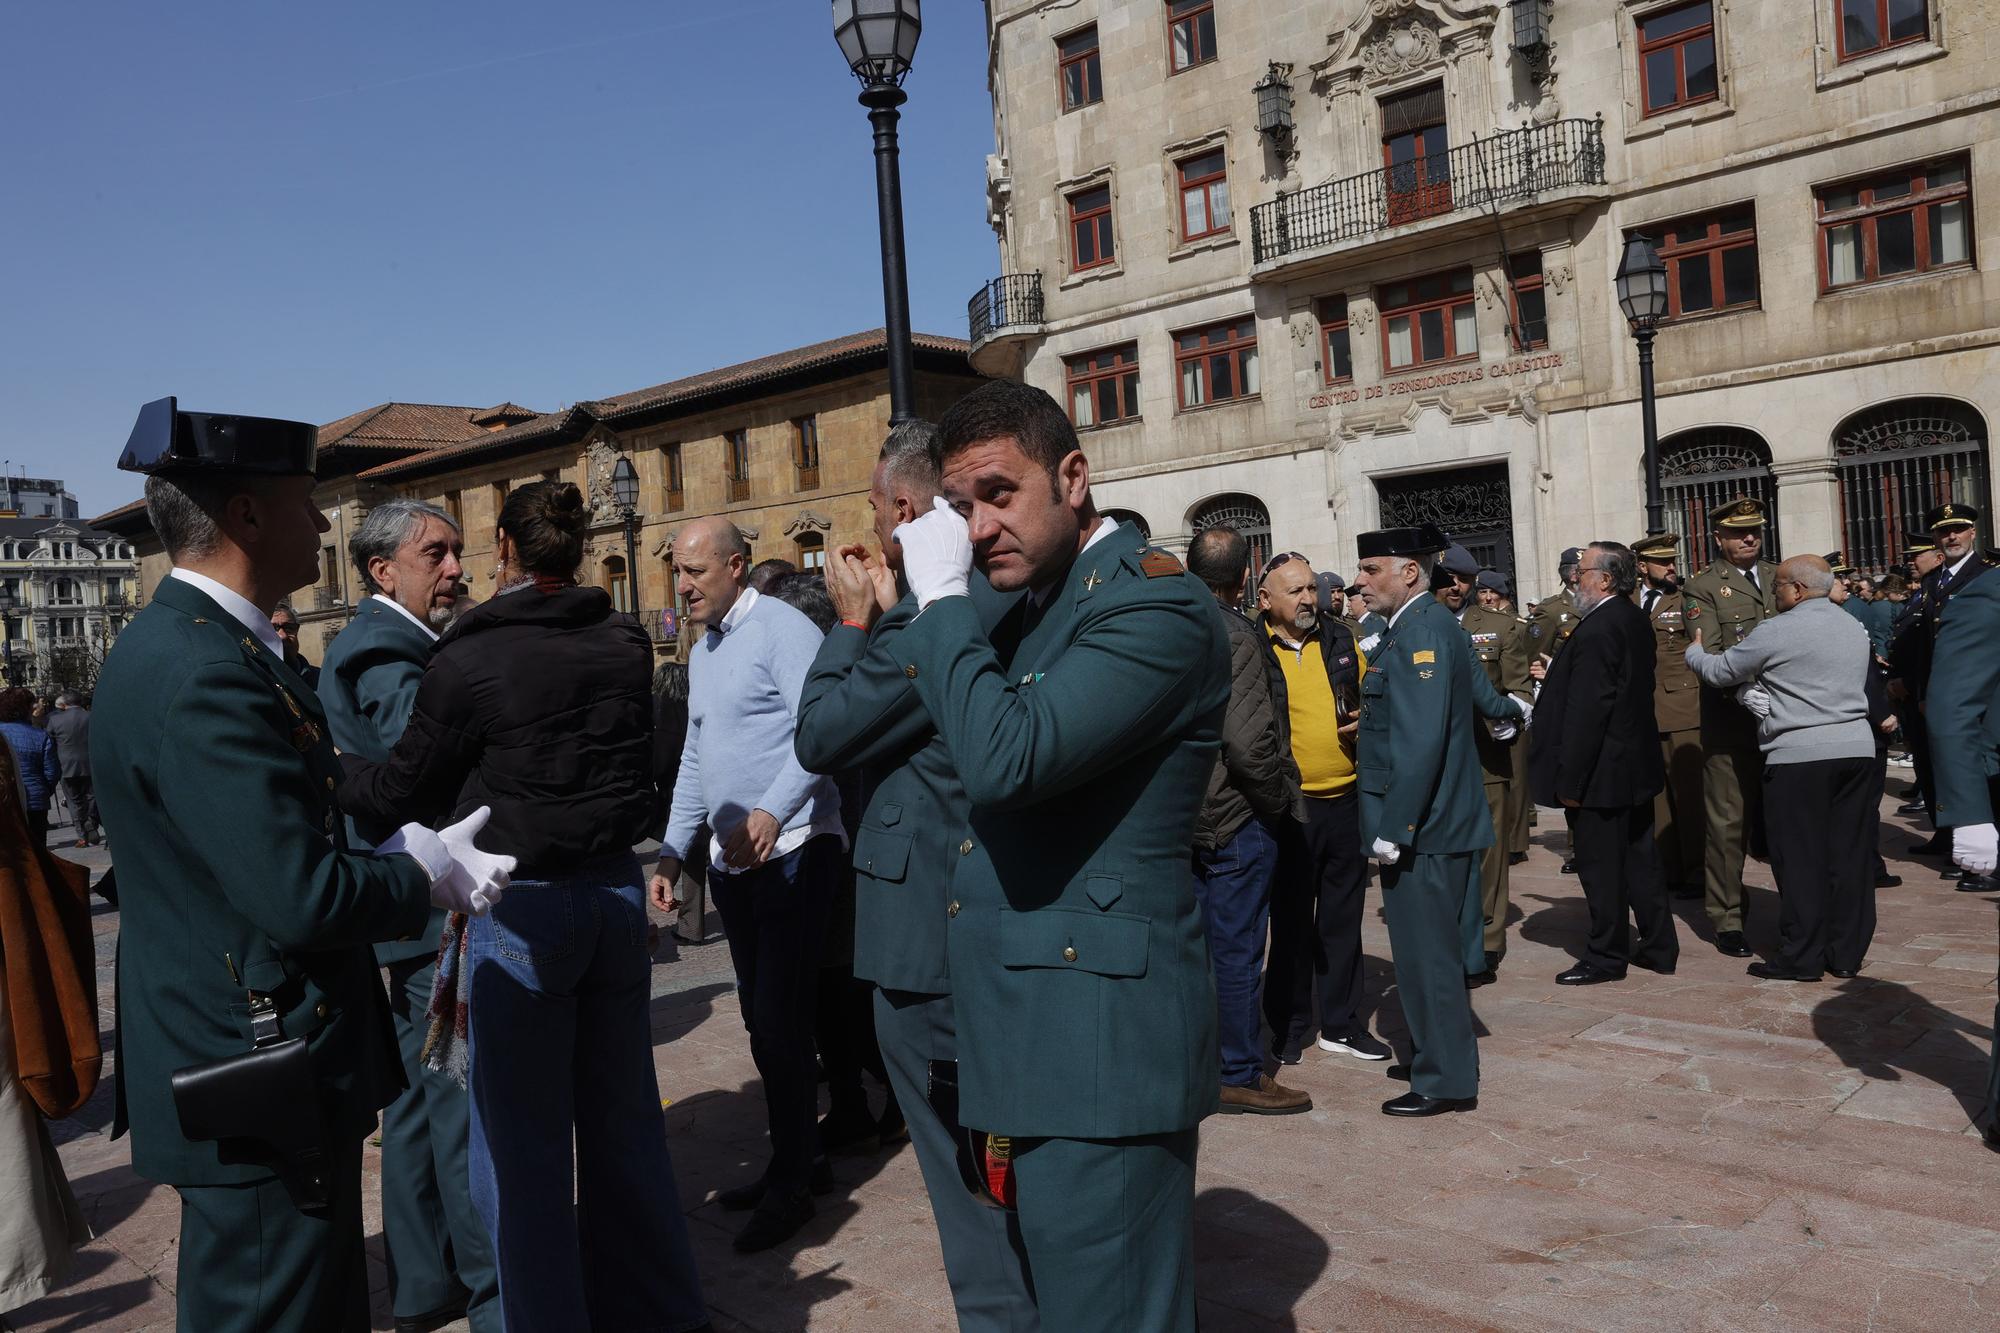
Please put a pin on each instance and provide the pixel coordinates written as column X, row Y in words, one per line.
column 1158, row 564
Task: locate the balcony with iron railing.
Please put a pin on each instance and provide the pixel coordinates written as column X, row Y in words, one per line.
column 1008, row 306
column 1558, row 163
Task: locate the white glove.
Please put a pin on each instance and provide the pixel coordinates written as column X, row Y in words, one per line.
column 1754, row 698
column 1976, row 848
column 1503, row 731
column 1368, row 645
column 937, row 553
column 1388, row 853
column 463, row 878
column 1527, row 708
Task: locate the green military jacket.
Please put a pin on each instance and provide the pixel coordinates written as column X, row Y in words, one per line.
column 858, row 709
column 1500, row 651
column 1416, row 762
column 1085, row 730
column 1676, row 689
column 1721, row 604
column 214, row 772
column 1551, row 623
column 1963, row 710
column 367, row 685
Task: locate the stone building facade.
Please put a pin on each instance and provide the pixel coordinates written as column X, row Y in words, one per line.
column 1318, row 267
column 65, row 589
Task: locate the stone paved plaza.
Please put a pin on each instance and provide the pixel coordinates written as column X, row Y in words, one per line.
column 1701, row 1151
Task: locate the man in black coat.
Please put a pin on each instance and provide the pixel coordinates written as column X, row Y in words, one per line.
column 1595, row 752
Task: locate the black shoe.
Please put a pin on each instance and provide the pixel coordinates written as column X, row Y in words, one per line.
column 1844, row 973
column 1416, row 1104
column 1401, row 1073
column 436, row 1319
column 1730, row 942
column 1517, row 858
column 775, row 1222
column 1990, row 1136
column 741, row 1198
column 1911, row 807
column 1666, row 970
column 1772, row 972
column 1589, row 974
column 1493, row 960
column 1474, row 980
column 1887, row 881
column 1569, row 867
column 1288, row 1054
column 1979, row 884
column 849, row 1132
column 1686, row 891
column 1951, row 872
column 1935, row 847
column 892, row 1128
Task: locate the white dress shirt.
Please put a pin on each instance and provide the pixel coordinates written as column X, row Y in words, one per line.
column 387, row 600
column 238, row 606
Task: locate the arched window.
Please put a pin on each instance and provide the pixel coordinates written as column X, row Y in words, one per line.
column 1703, row 469
column 1131, row 518
column 1245, row 513
column 1899, row 459
column 616, row 583
column 812, row 553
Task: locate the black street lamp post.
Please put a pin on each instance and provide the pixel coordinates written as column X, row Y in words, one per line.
column 879, row 39
column 7, row 604
column 625, row 489
column 1642, row 296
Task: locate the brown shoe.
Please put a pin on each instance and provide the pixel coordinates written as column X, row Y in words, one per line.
column 1269, row 1097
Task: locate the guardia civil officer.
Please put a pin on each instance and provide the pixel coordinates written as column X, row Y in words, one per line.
column 1421, row 810
column 858, row 709
column 1084, row 727
column 244, row 912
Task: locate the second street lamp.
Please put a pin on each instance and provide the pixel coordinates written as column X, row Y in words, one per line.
column 879, row 39
column 625, row 489
column 1642, row 296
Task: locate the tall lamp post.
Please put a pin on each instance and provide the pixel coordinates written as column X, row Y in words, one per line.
column 879, row 39
column 7, row 604
column 625, row 489
column 1642, row 295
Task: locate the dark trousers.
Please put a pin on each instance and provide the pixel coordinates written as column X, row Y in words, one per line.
column 250, row 1262
column 1424, row 897
column 436, row 1247
column 985, row 1259
column 845, row 1034
column 1620, row 868
column 1233, row 885
column 775, row 917
column 1109, row 1225
column 82, row 806
column 1819, row 853
column 38, row 827
column 1677, row 811
column 1911, row 715
column 1316, row 904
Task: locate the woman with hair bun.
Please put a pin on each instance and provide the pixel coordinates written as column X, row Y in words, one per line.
column 538, row 703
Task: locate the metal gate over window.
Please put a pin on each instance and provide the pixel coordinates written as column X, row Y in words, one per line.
column 1245, row 513
column 1898, row 460
column 1700, row 471
column 1473, row 505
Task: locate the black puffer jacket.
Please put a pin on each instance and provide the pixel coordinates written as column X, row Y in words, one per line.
column 539, row 705
column 1254, row 774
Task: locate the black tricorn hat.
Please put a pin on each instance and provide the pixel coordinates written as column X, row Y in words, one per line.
column 1424, row 539
column 166, row 439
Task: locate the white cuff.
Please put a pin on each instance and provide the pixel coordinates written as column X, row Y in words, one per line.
column 421, row 845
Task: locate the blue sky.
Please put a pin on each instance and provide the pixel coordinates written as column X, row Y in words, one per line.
column 301, row 210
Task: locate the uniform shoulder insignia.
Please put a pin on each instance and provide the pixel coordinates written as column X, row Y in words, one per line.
column 1157, row 564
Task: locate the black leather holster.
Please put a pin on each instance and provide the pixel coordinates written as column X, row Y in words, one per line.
column 262, row 1108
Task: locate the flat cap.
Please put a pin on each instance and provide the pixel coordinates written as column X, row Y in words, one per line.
column 166, row 439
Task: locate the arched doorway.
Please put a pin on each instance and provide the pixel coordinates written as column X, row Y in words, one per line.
column 1897, row 460
column 1705, row 468
column 1245, row 513
column 1131, row 519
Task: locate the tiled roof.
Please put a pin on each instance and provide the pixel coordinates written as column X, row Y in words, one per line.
column 509, row 412
column 675, row 393
column 122, row 520
column 401, row 426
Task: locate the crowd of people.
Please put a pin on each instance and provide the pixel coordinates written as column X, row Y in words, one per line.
column 1068, row 843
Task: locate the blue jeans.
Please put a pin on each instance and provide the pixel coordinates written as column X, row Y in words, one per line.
column 1233, row 885
column 560, row 983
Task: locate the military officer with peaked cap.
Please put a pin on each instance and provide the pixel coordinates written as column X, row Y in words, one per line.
column 1677, row 810
column 212, row 757
column 1725, row 601
column 1422, row 811
column 1962, row 565
column 1910, row 641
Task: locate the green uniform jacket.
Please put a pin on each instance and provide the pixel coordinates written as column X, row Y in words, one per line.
column 367, row 685
column 1963, row 715
column 1721, row 604
column 1551, row 623
column 1501, row 654
column 1415, row 757
column 1084, row 732
column 858, row 709
column 1676, row 689
column 214, row 772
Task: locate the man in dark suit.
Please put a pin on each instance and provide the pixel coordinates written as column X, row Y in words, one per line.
column 440, row 1258
column 1596, row 753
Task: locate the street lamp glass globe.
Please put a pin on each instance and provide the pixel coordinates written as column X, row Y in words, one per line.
column 878, row 37
column 1642, row 282
column 625, row 484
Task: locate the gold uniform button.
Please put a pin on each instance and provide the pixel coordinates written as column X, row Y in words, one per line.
column 911, row 671
column 320, row 1010
column 965, row 848
column 953, row 909
column 329, row 784
column 1069, row 953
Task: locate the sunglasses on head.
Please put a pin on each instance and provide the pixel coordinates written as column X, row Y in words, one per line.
column 1277, row 560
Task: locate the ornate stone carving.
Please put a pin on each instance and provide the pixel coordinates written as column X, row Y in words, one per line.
column 999, row 196
column 808, row 520
column 1404, row 50
column 1361, row 316
column 1302, row 328
column 599, row 457
column 1559, row 277
column 1488, row 289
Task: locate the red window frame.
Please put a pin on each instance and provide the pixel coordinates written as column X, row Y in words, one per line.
column 1334, row 331
column 805, row 451
column 1206, row 183
column 1887, row 42
column 1097, row 217
column 1187, row 15
column 1072, row 53
column 1918, row 197
column 1419, row 186
column 1525, row 278
column 1455, row 290
column 676, row 476
column 1226, row 342
column 1730, row 230
column 1121, row 373
column 1676, row 42
column 736, row 463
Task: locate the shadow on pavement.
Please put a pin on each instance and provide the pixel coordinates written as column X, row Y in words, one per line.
column 1951, row 1052
column 1254, row 1262
column 77, row 1304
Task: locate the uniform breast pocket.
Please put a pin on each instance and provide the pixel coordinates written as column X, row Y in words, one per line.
column 1107, row 944
column 1371, row 684
column 881, row 854
column 1372, row 778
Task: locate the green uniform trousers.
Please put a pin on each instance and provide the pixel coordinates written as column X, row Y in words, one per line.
column 985, row 1259
column 1677, row 811
column 1518, row 805
column 1424, row 896
column 1494, row 872
column 1732, row 787
column 1109, row 1225
column 437, row 1248
column 252, row 1263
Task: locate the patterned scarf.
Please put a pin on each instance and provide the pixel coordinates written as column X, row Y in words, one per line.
column 445, row 1047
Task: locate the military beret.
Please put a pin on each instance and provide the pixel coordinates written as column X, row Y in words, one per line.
column 1951, row 516
column 1572, row 555
column 1494, row 579
column 1743, row 512
column 1455, row 559
column 166, row 439
column 1659, row 546
column 1424, row 539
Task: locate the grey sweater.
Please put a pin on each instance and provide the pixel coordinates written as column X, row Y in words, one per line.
column 1813, row 662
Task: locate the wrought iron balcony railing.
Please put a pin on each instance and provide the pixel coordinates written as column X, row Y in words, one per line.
column 1010, row 299
column 1516, row 165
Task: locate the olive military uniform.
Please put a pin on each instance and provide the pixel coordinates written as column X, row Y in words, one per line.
column 1085, row 728
column 1725, row 605
column 1500, row 649
column 1551, row 623
column 1677, row 810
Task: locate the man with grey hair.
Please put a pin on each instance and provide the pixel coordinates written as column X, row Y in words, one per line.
column 440, row 1259
column 69, row 727
column 1809, row 663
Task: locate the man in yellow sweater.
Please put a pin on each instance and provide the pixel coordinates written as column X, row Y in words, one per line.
column 1316, row 903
